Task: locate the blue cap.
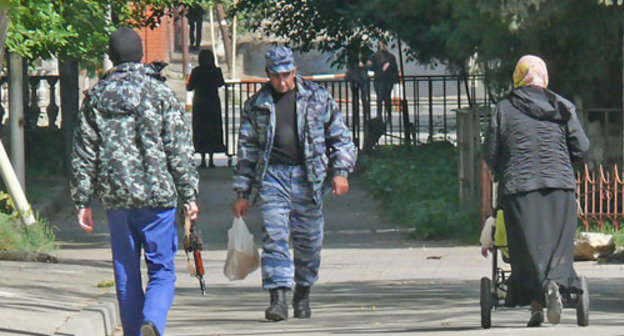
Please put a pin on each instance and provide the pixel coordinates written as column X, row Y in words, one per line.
column 279, row 59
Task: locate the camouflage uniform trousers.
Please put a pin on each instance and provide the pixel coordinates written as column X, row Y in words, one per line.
column 288, row 206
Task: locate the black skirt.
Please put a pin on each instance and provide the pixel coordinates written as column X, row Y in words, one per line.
column 541, row 226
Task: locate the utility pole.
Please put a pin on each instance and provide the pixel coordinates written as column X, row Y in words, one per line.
column 213, row 41
column 185, row 42
column 16, row 116
column 404, row 106
column 234, row 22
column 226, row 36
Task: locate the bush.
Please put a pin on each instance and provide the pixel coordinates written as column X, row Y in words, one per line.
column 419, row 188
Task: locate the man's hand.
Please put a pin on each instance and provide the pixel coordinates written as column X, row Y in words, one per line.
column 385, row 66
column 85, row 219
column 340, row 185
column 240, row 207
column 191, row 210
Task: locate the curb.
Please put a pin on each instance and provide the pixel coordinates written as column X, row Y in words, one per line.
column 99, row 319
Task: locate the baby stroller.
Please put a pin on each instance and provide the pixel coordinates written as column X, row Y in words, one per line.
column 494, row 291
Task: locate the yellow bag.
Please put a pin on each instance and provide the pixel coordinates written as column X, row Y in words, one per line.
column 500, row 233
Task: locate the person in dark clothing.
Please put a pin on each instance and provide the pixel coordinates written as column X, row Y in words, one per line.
column 293, row 147
column 357, row 76
column 533, row 137
column 195, row 18
column 132, row 150
column 205, row 80
column 386, row 71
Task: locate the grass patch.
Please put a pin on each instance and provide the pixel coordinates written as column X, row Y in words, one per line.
column 419, row 188
column 38, row 237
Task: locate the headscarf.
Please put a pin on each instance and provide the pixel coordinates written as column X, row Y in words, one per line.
column 124, row 46
column 530, row 71
column 206, row 58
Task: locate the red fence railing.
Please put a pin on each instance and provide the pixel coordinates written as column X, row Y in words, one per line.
column 600, row 195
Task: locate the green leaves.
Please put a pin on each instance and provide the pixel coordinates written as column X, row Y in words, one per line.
column 78, row 28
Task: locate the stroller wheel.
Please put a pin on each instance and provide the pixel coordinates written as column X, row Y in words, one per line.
column 486, row 303
column 582, row 305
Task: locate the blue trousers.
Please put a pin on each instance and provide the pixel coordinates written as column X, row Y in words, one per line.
column 288, row 207
column 153, row 230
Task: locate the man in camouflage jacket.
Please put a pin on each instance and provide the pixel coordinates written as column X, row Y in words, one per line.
column 292, row 139
column 132, row 147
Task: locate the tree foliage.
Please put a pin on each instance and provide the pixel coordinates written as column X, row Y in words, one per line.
column 79, row 29
column 579, row 39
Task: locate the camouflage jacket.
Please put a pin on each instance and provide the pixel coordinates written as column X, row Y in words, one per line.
column 325, row 140
column 132, row 146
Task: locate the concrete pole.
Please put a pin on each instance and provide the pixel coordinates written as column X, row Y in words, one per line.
column 185, row 42
column 16, row 116
column 15, row 189
column 213, row 41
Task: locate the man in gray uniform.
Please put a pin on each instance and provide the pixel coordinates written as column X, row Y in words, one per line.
column 291, row 137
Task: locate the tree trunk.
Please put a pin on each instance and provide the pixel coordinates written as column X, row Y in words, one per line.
column 4, row 27
column 70, row 90
column 226, row 36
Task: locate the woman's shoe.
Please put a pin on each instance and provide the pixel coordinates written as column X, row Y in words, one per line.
column 537, row 317
column 553, row 303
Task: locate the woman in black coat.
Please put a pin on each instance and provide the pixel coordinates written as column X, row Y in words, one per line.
column 205, row 80
column 533, row 137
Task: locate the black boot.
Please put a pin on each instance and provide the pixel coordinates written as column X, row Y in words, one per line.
column 278, row 310
column 301, row 302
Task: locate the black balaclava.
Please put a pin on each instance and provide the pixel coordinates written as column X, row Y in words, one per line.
column 125, row 45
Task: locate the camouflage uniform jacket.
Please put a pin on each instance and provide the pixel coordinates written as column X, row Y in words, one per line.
column 325, row 140
column 132, row 146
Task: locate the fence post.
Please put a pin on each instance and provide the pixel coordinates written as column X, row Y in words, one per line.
column 469, row 144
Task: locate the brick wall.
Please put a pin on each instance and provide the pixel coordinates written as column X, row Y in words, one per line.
column 156, row 42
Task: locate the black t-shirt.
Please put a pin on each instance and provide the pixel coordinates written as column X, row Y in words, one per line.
column 286, row 149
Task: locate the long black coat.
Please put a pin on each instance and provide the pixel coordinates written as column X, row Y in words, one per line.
column 534, row 135
column 207, row 121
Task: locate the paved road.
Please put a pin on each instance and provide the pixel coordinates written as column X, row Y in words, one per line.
column 374, row 280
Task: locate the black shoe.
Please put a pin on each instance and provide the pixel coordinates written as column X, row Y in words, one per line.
column 536, row 319
column 301, row 302
column 149, row 329
column 278, row 310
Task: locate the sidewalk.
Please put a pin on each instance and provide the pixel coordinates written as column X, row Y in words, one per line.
column 373, row 281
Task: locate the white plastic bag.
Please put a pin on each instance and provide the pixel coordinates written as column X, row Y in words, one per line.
column 243, row 257
column 486, row 234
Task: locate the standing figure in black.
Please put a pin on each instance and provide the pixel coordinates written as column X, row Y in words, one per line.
column 357, row 76
column 205, row 80
column 195, row 18
column 384, row 65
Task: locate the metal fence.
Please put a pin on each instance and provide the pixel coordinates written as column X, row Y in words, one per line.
column 431, row 103
column 600, row 196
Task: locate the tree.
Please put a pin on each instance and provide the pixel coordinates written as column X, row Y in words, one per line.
column 577, row 38
column 77, row 29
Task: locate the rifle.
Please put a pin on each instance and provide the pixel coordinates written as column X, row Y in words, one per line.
column 193, row 244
